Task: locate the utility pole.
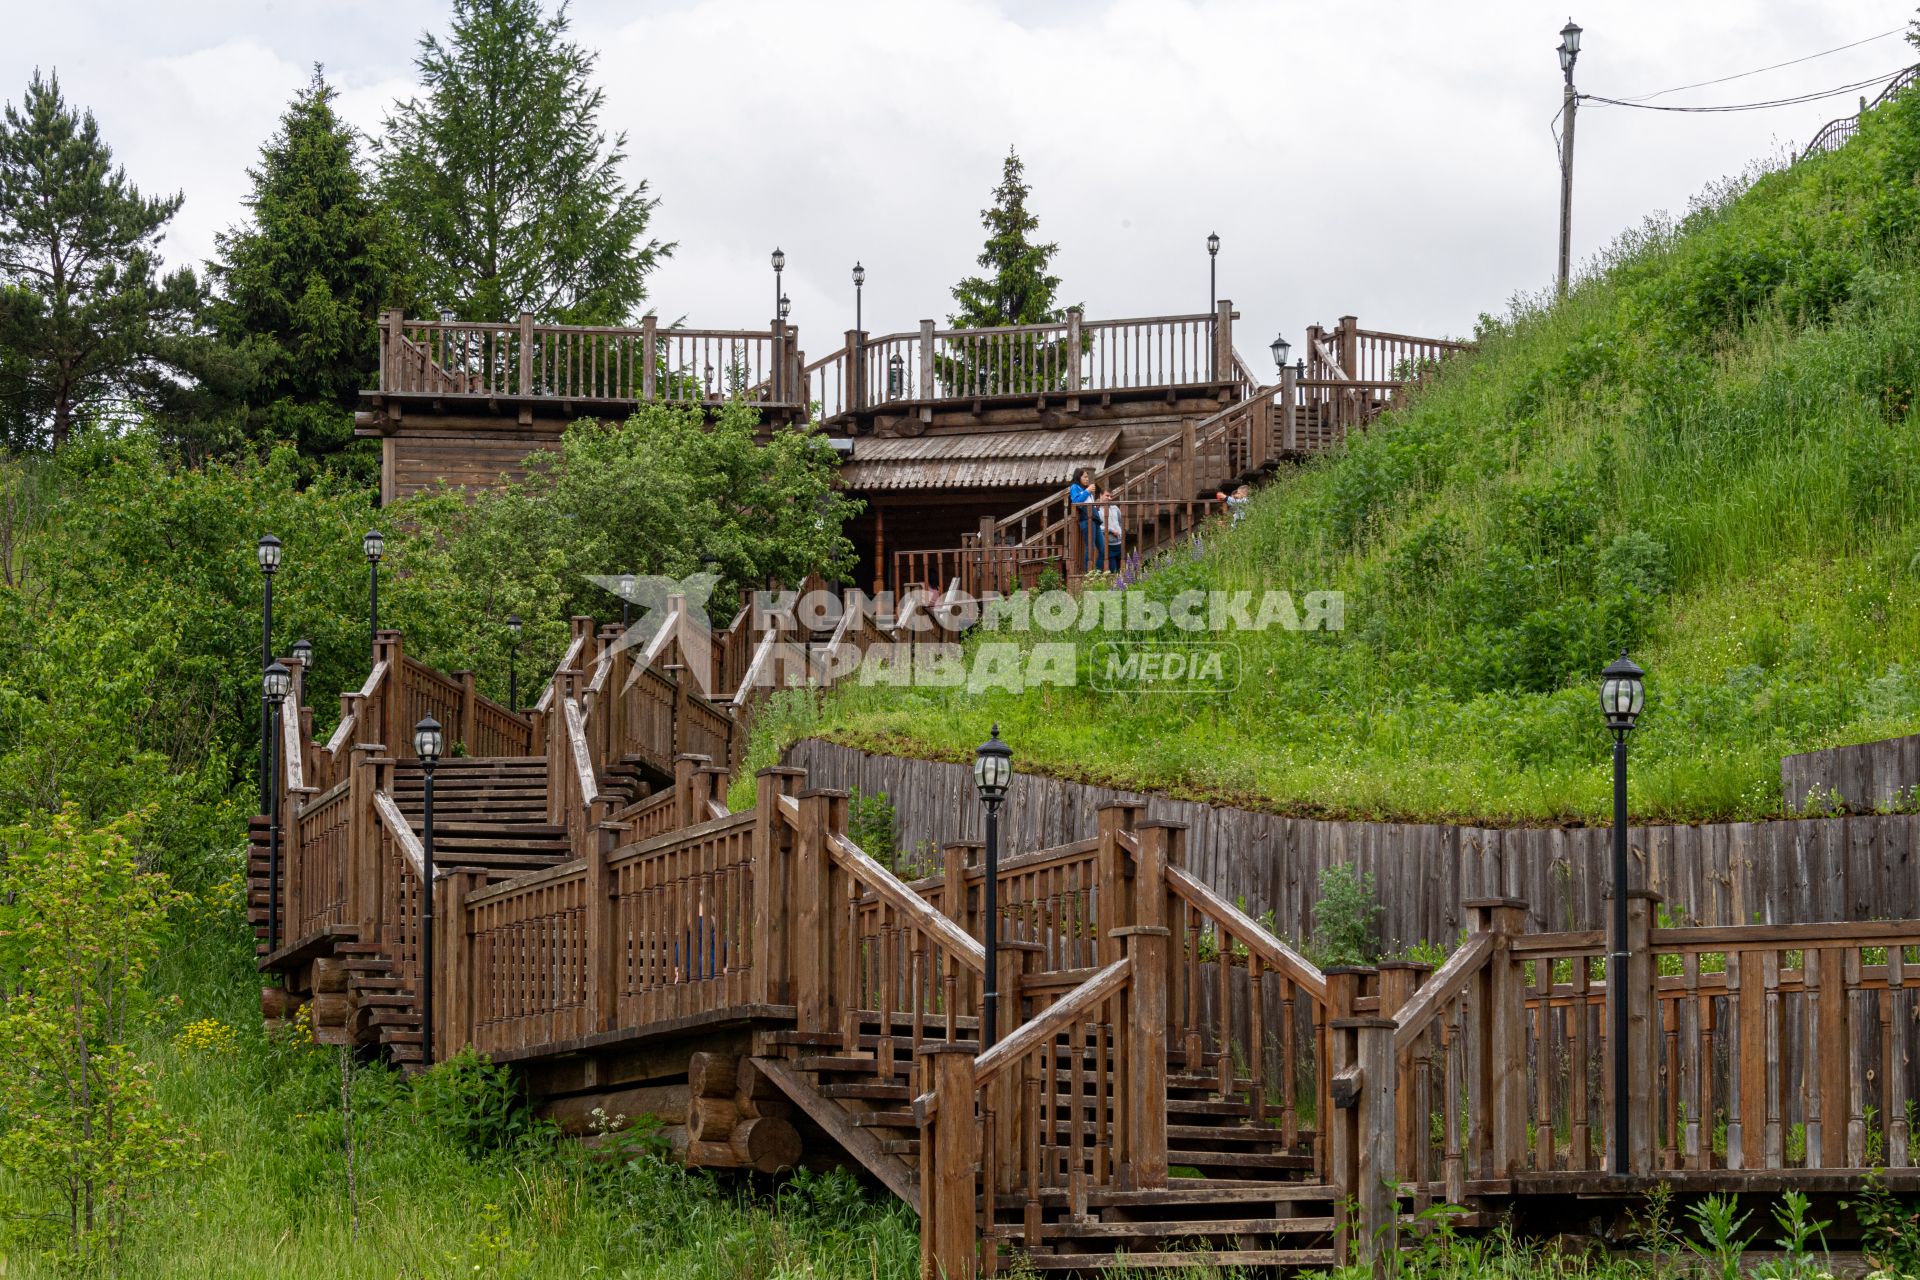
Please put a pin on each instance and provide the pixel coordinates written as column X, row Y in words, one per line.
column 1569, row 103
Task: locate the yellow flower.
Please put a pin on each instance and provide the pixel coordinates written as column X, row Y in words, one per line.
column 206, row 1035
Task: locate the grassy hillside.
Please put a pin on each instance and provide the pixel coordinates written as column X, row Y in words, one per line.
column 1706, row 454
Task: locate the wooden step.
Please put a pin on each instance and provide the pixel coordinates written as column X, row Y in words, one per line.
column 885, row 1120
column 870, row 1092
column 1178, row 1227
column 1183, row 1261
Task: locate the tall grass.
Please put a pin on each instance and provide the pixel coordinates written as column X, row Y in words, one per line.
column 1705, row 454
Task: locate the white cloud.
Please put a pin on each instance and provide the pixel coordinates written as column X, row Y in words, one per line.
column 1379, row 158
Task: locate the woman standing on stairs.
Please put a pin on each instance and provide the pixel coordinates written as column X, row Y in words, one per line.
column 1080, row 494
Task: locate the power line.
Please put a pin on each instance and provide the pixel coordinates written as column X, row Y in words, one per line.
column 1796, row 100
column 1701, row 84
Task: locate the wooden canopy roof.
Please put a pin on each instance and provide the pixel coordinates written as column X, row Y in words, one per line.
column 977, row 460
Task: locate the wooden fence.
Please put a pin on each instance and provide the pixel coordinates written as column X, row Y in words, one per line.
column 1059, row 358
column 1863, row 778
column 649, row 363
column 1787, row 872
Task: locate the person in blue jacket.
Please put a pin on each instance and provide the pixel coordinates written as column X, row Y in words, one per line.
column 1092, row 542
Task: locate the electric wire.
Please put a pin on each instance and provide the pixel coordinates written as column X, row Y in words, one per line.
column 1768, row 104
column 1794, row 62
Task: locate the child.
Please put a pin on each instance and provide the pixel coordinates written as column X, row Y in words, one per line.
column 1113, row 526
column 1237, row 501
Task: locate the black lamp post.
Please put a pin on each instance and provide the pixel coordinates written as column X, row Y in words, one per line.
column 267, row 550
column 779, row 265
column 273, row 692
column 1622, row 694
column 992, row 772
column 1280, row 348
column 1213, row 301
column 375, row 545
column 513, row 663
column 1569, row 50
column 428, row 740
column 626, row 600
column 860, row 337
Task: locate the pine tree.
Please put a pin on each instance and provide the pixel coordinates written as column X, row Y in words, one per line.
column 504, row 181
column 1018, row 290
column 303, row 281
column 84, row 314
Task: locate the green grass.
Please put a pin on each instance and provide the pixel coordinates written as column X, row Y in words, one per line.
column 1706, row 454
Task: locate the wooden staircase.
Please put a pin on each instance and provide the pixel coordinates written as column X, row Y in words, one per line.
column 1243, row 1193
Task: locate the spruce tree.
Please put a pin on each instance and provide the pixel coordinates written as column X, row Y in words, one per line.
column 84, row 312
column 302, row 282
column 504, row 182
column 1017, row 290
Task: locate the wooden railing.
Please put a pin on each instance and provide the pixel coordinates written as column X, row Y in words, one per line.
column 525, row 361
column 317, row 862
column 1066, row 358
column 1834, row 134
column 1752, row 1049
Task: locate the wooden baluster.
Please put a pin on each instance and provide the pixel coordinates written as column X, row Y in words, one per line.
column 1697, row 1067
column 949, row 1226
column 1643, row 1028
column 1833, row 1043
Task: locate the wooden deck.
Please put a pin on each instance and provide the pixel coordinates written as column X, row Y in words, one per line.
column 1169, row 1076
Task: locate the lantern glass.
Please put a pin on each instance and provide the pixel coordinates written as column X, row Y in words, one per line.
column 268, row 551
column 1280, row 348
column 303, row 650
column 779, row 260
column 428, row 739
column 786, row 306
column 859, row 275
column 1623, row 693
column 374, row 543
column 1213, row 244
column 1570, row 38
column 277, row 681
column 993, row 768
column 514, row 624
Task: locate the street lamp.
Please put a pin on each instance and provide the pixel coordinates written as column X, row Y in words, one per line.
column 1622, row 693
column 779, row 265
column 786, row 307
column 303, row 650
column 428, row 742
column 992, row 772
column 1280, row 348
column 1213, row 298
column 267, row 551
column 513, row 664
column 859, row 331
column 1569, row 51
column 626, row 600
column 274, row 684
column 375, row 545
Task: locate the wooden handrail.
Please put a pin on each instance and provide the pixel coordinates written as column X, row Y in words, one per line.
column 290, row 749
column 1060, row 1015
column 567, row 661
column 916, row 909
column 396, row 824
column 375, row 678
column 1275, row 953
column 1446, row 984
column 582, row 755
column 762, row 656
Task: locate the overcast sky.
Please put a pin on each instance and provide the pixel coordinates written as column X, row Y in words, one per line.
column 1388, row 159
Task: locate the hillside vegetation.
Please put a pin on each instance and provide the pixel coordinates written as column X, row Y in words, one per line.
column 1706, row 454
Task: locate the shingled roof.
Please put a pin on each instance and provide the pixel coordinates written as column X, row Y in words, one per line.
column 977, row 460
